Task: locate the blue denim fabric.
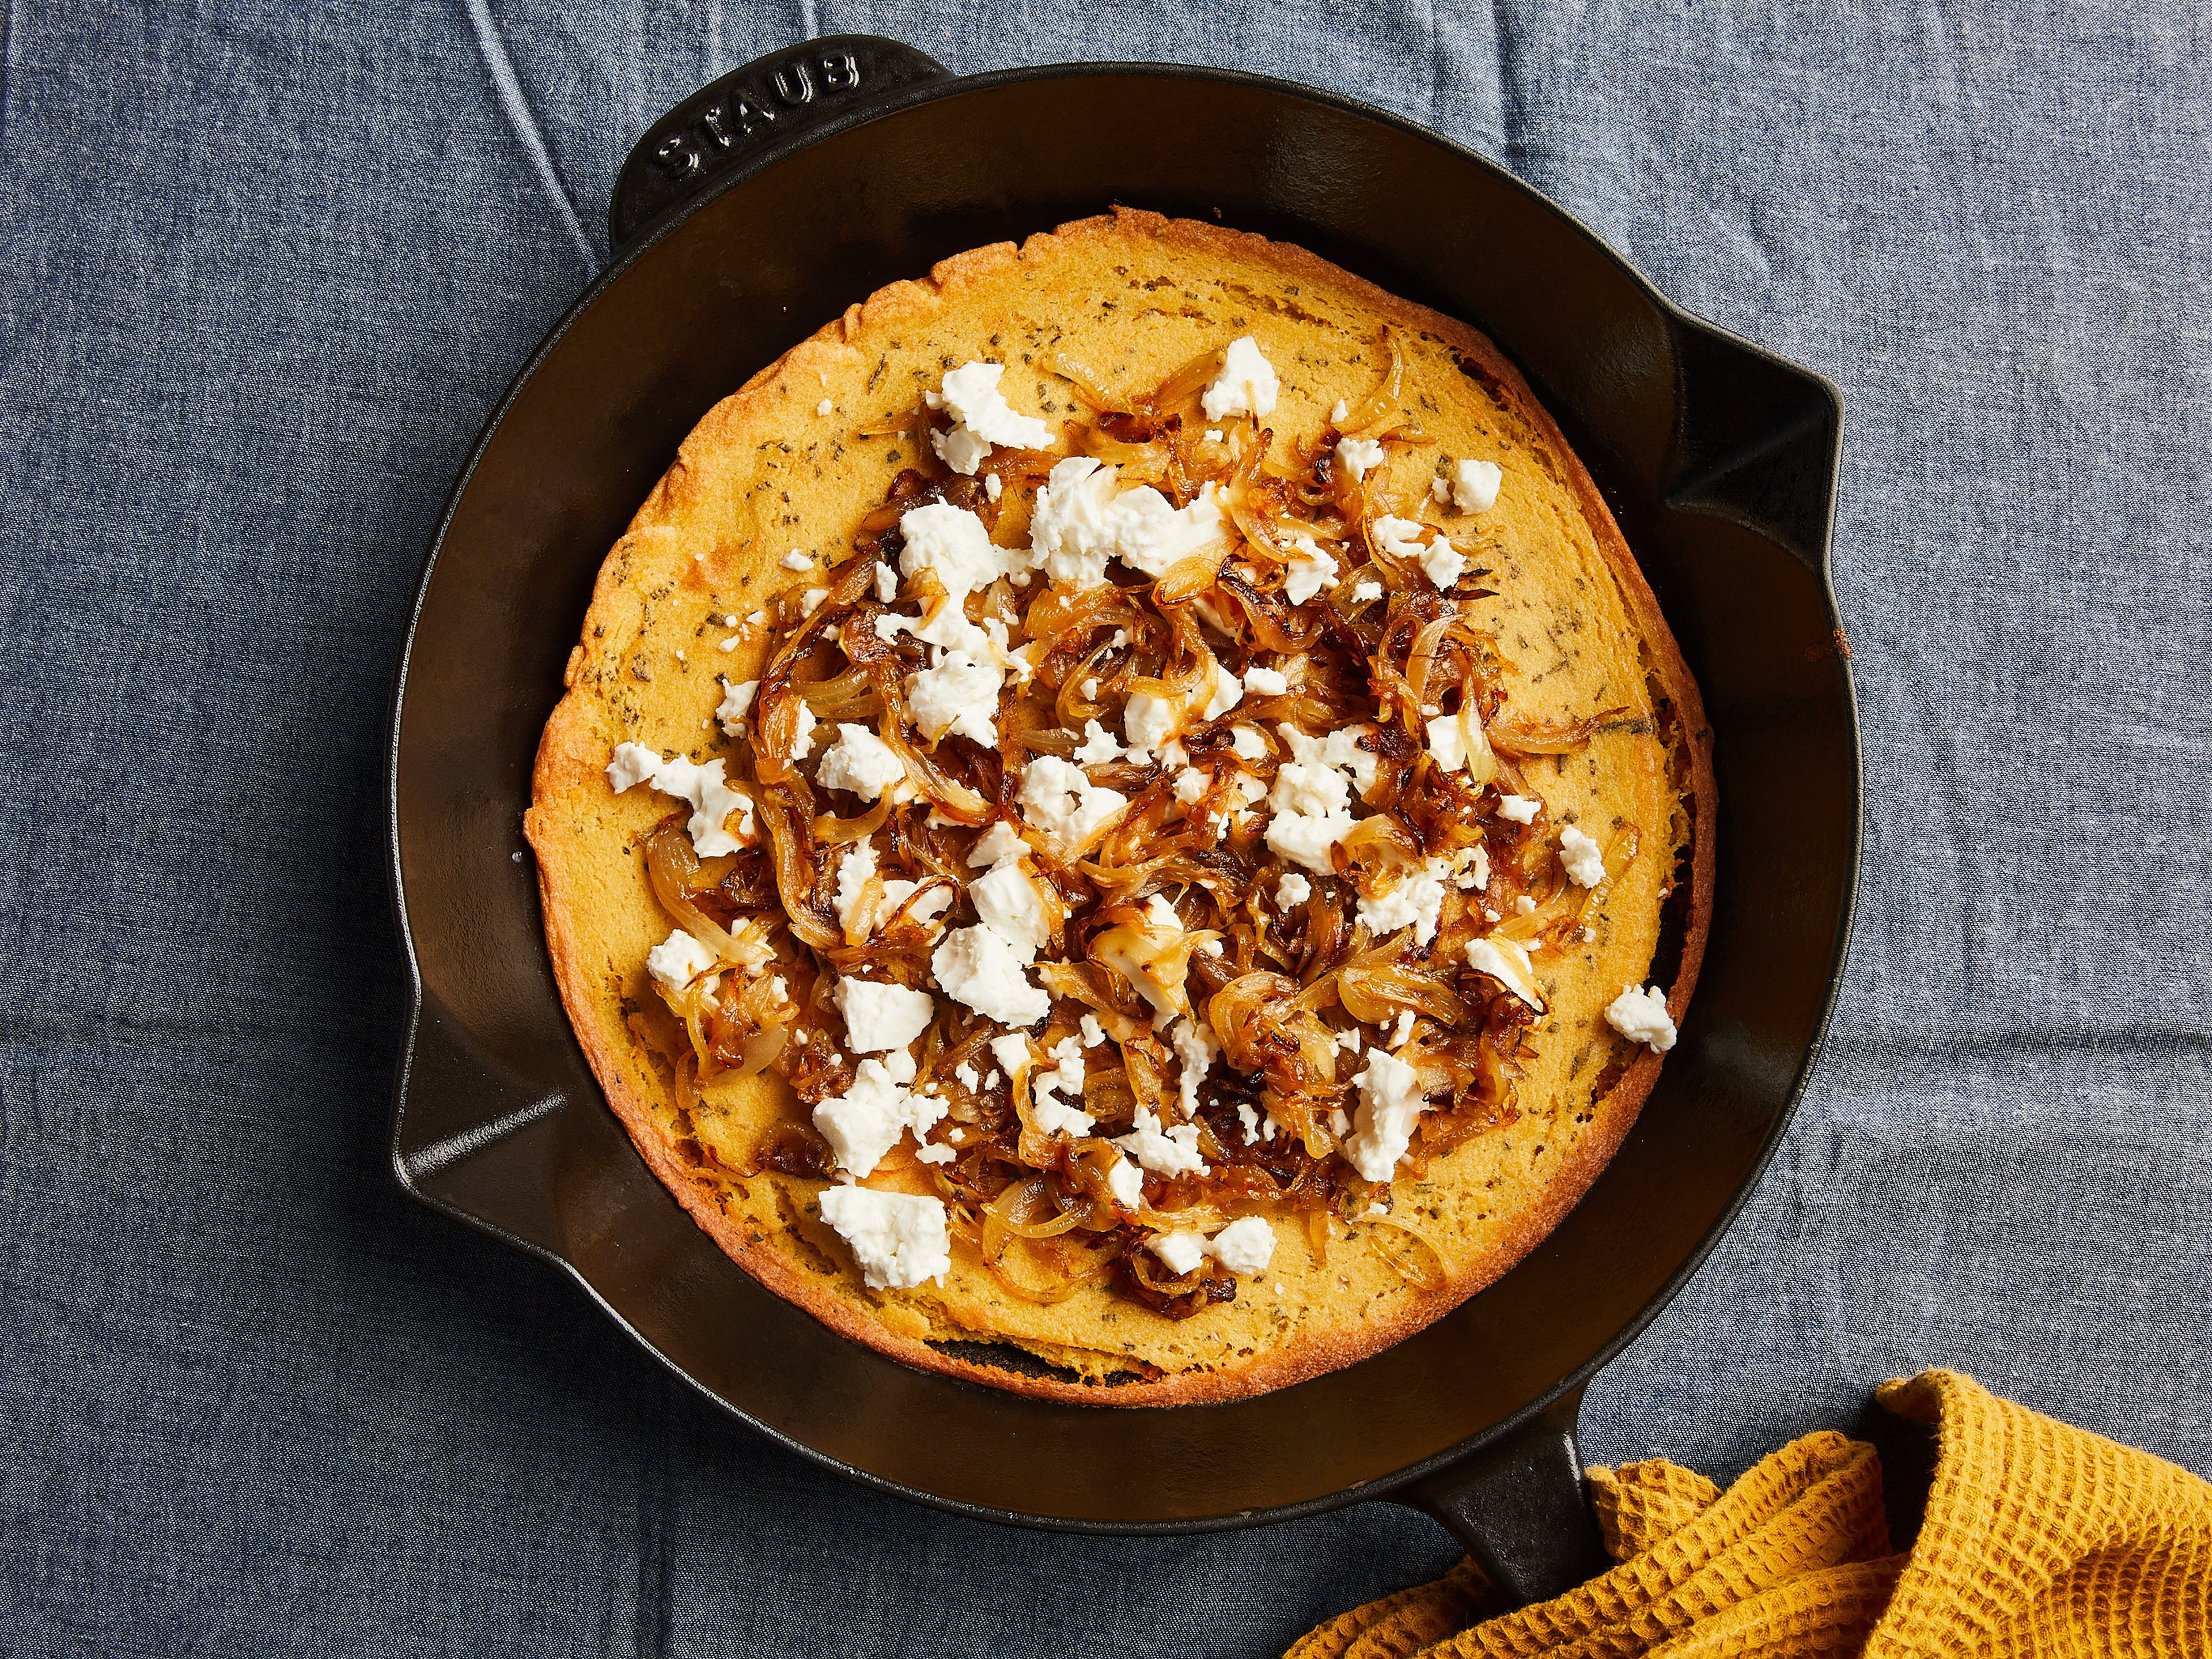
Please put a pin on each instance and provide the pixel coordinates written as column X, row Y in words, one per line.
column 267, row 267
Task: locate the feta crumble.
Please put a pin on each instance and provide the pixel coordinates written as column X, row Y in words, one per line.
column 1246, row 384
column 860, row 762
column 1507, row 962
column 1584, row 857
column 1359, row 457
column 711, row 799
column 1390, row 1104
column 866, row 1121
column 1642, row 1017
column 1082, row 517
column 979, row 969
column 981, row 417
column 1058, row 799
column 1472, row 485
column 899, row 1239
column 736, row 699
column 676, row 961
column 881, row 1017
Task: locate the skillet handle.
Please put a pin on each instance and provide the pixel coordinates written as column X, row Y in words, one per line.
column 732, row 125
column 1518, row 1506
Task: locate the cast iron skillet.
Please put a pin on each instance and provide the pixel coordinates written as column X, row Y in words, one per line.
column 759, row 208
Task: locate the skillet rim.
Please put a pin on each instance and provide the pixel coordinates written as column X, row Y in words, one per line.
column 863, row 111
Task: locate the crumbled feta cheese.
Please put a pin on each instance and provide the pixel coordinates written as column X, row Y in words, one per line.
column 1445, row 563
column 1011, row 1051
column 977, row 968
column 1266, row 682
column 867, row 1121
column 934, row 1154
column 1348, row 1040
column 1341, row 750
column 886, row 584
column 1246, row 384
column 1093, row 1032
column 981, row 417
column 1163, row 1151
column 1507, row 962
column 1227, row 691
column 1389, row 1104
column 1244, row 1246
column 676, row 961
column 1584, row 857
column 1473, row 485
column 855, row 868
column 1474, row 868
column 1305, row 839
column 810, row 600
column 1400, row 538
column 1179, row 1252
column 1213, row 434
column 1082, row 517
column 802, row 742
column 1061, row 800
column 860, row 762
column 964, row 1075
column 1190, row 785
column 1246, row 742
column 996, row 845
column 1097, row 746
column 881, row 1017
column 1642, row 1017
column 1404, row 1029
column 1127, row 1182
column 1415, row 902
column 960, row 695
column 711, row 799
column 1307, row 785
column 1359, row 456
column 825, row 407
column 1195, row 1048
column 1013, row 907
column 1364, row 592
column 736, row 700
column 1524, row 906
column 633, row 763
column 952, row 543
column 796, row 560
column 1292, row 888
column 1522, row 809
column 1310, row 569
column 993, row 486
column 1339, row 413
column 898, row 1239
column 1052, row 1115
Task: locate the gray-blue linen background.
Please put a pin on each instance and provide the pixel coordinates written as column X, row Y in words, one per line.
column 265, row 270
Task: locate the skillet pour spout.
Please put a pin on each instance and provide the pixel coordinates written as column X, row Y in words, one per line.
column 760, row 206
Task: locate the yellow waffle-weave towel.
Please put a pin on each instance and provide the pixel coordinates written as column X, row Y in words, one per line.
column 2040, row 1541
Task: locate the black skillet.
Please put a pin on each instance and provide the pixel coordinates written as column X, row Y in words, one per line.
column 759, row 208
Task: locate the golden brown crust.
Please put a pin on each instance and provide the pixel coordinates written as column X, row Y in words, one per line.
column 575, row 747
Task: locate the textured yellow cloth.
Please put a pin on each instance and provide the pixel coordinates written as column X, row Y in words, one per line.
column 2041, row 1541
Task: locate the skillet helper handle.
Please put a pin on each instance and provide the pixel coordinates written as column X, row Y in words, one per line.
column 732, row 125
column 1519, row 1506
